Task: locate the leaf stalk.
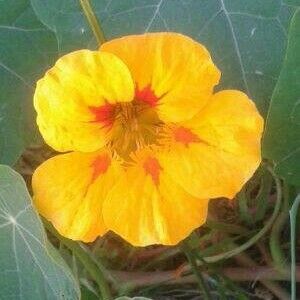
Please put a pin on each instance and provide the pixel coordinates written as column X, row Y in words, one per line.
column 93, row 21
column 86, row 260
column 195, row 268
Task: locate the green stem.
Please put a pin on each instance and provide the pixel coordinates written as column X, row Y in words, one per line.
column 261, row 233
column 243, row 207
column 171, row 252
column 278, row 255
column 200, row 280
column 93, row 21
column 86, row 260
column 293, row 217
column 265, row 189
column 275, row 288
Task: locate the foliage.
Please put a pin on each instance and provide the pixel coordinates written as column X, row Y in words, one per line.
column 230, row 29
column 31, row 268
column 284, row 113
column 256, row 44
column 27, row 49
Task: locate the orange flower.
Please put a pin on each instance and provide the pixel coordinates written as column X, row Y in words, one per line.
column 149, row 142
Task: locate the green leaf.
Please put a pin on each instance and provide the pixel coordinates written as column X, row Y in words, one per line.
column 247, row 39
column 31, row 267
column 293, row 220
column 27, row 49
column 282, row 136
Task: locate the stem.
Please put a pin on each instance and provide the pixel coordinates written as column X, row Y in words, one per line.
column 264, row 253
column 240, row 274
column 278, row 255
column 256, row 237
column 293, row 215
column 262, row 204
column 106, row 273
column 202, row 285
column 93, row 21
column 262, row 232
column 275, row 288
column 243, row 207
column 86, row 260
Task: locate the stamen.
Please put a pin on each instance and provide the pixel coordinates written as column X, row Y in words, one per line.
column 135, row 126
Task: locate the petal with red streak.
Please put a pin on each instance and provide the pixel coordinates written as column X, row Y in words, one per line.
column 69, row 190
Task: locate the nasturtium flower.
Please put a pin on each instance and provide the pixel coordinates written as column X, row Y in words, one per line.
column 148, row 141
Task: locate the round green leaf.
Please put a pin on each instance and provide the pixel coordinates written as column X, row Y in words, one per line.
column 27, row 49
column 31, row 268
column 247, row 39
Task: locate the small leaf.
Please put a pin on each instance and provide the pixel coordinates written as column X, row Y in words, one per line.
column 282, row 135
column 247, row 41
column 31, row 267
column 27, row 49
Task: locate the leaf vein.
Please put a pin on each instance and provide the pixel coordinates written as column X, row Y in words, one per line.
column 236, row 46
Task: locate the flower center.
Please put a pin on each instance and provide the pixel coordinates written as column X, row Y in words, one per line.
column 131, row 125
column 136, row 125
column 128, row 114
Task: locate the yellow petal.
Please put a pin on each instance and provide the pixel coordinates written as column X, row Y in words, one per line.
column 171, row 71
column 75, row 99
column 69, row 190
column 147, row 207
column 215, row 153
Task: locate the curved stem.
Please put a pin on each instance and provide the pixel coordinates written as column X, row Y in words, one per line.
column 243, row 207
column 93, row 21
column 265, row 189
column 278, row 255
column 293, row 216
column 246, row 261
column 85, row 259
column 255, row 238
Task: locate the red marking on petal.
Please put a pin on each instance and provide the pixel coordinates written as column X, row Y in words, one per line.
column 104, row 114
column 146, row 95
column 100, row 166
column 185, row 136
column 152, row 168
